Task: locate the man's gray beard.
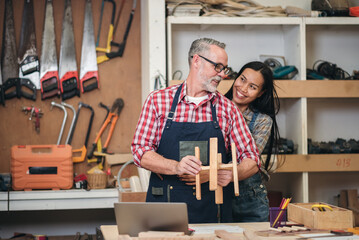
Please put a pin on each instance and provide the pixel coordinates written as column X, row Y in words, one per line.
column 209, row 87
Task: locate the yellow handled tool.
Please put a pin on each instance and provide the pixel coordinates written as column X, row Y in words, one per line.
column 321, row 207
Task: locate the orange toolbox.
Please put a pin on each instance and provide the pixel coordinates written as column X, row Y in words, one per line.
column 41, row 167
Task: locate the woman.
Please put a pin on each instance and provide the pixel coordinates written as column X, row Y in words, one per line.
column 255, row 96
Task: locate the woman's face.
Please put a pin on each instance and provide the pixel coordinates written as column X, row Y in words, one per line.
column 247, row 87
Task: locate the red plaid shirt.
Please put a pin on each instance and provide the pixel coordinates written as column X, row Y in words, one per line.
column 157, row 106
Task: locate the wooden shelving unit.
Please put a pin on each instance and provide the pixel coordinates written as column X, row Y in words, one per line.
column 322, row 110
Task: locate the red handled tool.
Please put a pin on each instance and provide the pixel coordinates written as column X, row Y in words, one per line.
column 112, row 118
column 89, row 69
column 69, row 83
column 49, row 72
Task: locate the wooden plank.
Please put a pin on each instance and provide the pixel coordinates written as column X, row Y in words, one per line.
column 219, row 190
column 198, row 176
column 317, row 88
column 320, row 163
column 213, row 164
column 234, row 169
column 307, row 88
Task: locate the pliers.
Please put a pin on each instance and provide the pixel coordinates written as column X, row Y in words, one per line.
column 112, row 117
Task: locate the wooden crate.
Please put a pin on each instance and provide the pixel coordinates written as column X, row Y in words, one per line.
column 302, row 213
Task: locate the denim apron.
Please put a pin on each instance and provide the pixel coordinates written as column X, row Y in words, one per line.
column 252, row 203
column 171, row 189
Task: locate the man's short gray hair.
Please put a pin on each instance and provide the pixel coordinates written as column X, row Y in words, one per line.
column 201, row 46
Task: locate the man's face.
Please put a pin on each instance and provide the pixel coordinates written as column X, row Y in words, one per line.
column 209, row 77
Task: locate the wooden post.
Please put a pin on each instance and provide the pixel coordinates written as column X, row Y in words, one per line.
column 219, row 190
column 198, row 178
column 235, row 170
column 213, row 163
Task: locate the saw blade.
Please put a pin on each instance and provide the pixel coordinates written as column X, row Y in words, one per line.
column 67, row 48
column 9, row 64
column 49, row 68
column 28, row 59
column 88, row 69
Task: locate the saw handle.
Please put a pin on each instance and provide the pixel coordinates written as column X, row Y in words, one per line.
column 30, row 87
column 49, row 85
column 9, row 84
column 89, row 77
column 69, row 85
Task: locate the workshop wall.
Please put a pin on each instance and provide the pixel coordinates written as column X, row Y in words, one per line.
column 119, row 78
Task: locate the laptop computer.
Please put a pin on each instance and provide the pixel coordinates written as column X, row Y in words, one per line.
column 135, row 217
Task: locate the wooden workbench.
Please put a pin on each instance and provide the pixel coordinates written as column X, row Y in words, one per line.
column 110, row 231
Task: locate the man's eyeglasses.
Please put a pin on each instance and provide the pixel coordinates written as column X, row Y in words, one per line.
column 218, row 67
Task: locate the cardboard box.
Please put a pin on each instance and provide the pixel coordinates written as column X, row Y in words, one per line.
column 302, row 213
column 132, row 196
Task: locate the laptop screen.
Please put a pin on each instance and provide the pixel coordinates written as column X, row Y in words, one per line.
column 135, row 217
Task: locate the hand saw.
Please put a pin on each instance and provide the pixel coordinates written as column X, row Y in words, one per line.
column 49, row 74
column 9, row 64
column 28, row 60
column 69, row 83
column 88, row 69
column 121, row 46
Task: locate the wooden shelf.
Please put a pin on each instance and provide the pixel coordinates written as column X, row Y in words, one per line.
column 320, row 163
column 58, row 200
column 305, row 88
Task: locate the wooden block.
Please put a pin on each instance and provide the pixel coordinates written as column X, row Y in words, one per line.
column 132, row 196
column 213, row 164
column 235, row 171
column 219, row 190
column 343, row 199
column 353, row 204
column 198, row 177
column 302, row 213
column 160, row 234
column 223, row 234
column 118, row 158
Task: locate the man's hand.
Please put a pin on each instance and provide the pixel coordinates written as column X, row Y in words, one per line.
column 191, row 180
column 224, row 177
column 188, row 165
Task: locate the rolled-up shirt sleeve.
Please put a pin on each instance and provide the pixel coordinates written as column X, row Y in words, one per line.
column 241, row 136
column 145, row 138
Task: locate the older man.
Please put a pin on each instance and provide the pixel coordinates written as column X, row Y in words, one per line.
column 176, row 119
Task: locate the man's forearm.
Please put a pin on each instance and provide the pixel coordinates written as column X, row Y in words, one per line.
column 158, row 164
column 247, row 168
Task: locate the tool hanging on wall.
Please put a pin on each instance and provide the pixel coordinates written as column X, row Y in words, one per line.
column 69, row 83
column 88, row 69
column 72, row 122
column 111, row 28
column 29, row 66
column 83, row 149
column 49, row 71
column 112, row 118
column 9, row 64
column 63, row 121
column 34, row 113
column 121, row 46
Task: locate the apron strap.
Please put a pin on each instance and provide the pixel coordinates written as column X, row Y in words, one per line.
column 214, row 116
column 251, row 124
column 173, row 107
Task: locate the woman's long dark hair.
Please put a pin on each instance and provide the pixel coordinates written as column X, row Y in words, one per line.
column 267, row 104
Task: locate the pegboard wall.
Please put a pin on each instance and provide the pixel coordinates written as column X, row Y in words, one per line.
column 118, row 78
